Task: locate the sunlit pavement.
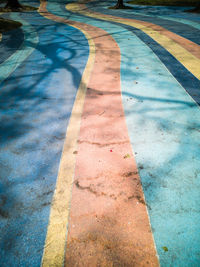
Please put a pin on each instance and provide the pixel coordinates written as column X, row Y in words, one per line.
column 100, row 136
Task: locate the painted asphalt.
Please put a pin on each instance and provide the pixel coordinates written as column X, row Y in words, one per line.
column 102, row 105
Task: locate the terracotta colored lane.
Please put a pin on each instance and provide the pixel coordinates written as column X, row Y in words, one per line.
column 108, row 219
column 190, row 46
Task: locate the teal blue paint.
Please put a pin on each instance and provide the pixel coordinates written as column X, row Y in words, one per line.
column 184, row 21
column 140, row 11
column 163, row 124
column 25, row 50
column 181, row 20
column 190, row 16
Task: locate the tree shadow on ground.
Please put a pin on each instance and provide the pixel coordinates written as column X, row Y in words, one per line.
column 33, row 124
column 35, row 105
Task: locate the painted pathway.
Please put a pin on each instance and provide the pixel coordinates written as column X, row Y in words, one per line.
column 117, row 92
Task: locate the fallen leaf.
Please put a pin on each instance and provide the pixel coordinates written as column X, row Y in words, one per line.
column 165, row 249
column 127, row 156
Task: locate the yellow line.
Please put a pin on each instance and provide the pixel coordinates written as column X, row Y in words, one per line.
column 54, row 250
column 188, row 60
column 0, row 37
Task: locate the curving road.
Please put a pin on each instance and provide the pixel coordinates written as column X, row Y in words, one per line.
column 100, row 137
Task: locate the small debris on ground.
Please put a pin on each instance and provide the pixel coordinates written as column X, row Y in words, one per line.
column 165, row 249
column 127, row 156
column 101, row 113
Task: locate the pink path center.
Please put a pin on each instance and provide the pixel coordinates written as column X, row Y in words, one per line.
column 109, row 224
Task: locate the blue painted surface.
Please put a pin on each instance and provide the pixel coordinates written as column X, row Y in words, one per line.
column 163, row 124
column 35, row 107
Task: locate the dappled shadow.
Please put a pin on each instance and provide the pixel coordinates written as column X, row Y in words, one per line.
column 35, row 104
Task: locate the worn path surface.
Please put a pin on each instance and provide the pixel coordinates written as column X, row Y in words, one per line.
column 100, row 137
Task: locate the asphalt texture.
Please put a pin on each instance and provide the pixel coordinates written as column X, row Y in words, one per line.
column 100, row 136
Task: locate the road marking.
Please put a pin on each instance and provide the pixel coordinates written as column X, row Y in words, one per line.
column 187, row 59
column 54, row 249
column 180, row 20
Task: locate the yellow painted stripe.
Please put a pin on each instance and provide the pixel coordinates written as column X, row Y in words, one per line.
column 188, row 60
column 54, row 250
column 0, row 37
